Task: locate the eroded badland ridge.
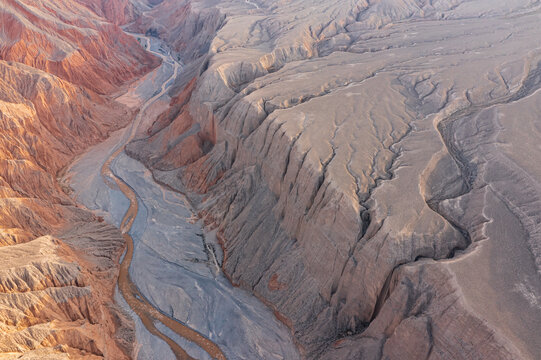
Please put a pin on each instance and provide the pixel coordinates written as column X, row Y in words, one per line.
column 58, row 262
column 370, row 168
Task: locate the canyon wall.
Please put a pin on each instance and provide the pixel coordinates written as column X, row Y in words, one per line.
column 59, row 263
column 368, row 167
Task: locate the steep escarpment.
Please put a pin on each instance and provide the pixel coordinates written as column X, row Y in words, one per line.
column 59, row 263
column 339, row 151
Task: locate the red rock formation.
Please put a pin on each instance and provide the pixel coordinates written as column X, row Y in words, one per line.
column 68, row 40
column 45, row 122
column 58, row 263
column 174, row 139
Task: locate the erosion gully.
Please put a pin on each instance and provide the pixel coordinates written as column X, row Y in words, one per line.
column 169, row 280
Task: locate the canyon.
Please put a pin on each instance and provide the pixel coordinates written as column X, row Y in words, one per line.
column 301, row 179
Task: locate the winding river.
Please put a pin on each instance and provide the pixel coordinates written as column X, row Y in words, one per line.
column 138, row 303
column 169, row 281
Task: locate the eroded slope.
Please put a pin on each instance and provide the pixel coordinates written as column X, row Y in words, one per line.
column 67, row 39
column 59, row 263
column 346, row 150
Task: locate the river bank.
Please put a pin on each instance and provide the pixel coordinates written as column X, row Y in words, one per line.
column 170, row 265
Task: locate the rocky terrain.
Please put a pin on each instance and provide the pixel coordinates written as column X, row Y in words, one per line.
column 369, row 167
column 58, row 262
column 170, row 278
column 354, row 179
column 67, row 39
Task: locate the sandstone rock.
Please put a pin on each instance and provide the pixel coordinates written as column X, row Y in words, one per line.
column 370, row 168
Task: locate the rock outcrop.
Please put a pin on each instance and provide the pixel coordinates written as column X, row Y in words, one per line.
column 58, row 262
column 370, row 168
column 354, row 159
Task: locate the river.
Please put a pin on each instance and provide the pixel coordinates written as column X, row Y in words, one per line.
column 171, row 284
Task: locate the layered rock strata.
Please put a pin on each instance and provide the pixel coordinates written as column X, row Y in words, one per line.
column 67, row 39
column 59, row 263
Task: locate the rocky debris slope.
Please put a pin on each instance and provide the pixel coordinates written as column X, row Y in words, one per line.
column 355, row 158
column 59, row 263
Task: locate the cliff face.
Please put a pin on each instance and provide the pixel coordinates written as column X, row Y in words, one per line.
column 355, row 160
column 58, row 262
